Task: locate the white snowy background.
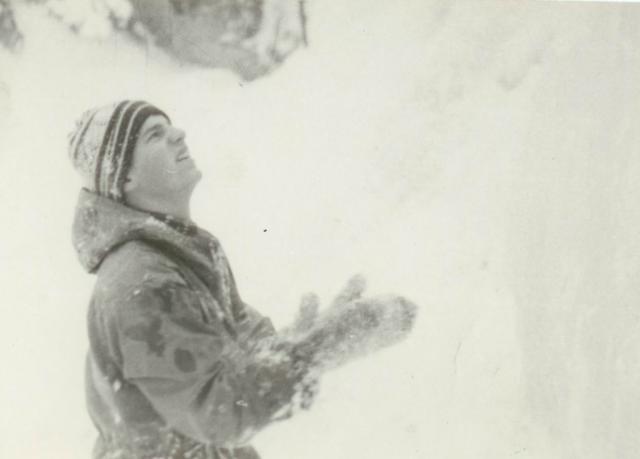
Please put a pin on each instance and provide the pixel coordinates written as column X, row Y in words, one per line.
column 479, row 157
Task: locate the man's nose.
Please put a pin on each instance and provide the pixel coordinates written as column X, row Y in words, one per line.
column 177, row 134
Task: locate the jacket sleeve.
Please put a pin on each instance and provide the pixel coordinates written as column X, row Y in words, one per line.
column 203, row 382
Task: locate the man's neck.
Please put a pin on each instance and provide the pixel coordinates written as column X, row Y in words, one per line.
column 179, row 210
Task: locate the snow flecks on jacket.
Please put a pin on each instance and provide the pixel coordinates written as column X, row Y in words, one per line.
column 177, row 361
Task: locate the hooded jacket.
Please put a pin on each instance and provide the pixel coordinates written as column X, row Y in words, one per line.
column 177, row 366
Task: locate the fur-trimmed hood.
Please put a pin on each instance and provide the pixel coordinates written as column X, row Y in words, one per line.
column 100, row 225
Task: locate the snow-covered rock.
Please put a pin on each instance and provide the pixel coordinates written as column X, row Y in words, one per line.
column 249, row 37
column 10, row 36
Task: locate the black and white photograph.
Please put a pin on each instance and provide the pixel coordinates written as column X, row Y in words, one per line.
column 272, row 229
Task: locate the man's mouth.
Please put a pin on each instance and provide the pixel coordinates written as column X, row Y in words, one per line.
column 184, row 154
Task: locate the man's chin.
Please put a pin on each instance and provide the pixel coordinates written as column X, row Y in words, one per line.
column 195, row 175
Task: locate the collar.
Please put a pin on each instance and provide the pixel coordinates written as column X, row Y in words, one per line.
column 101, row 224
column 182, row 226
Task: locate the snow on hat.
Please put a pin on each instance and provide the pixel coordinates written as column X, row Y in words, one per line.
column 102, row 143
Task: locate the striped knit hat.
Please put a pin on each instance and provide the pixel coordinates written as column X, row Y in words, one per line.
column 102, row 143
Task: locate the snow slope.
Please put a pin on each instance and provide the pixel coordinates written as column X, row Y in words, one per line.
column 477, row 157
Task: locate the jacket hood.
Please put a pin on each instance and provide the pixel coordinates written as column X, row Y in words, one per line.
column 100, row 225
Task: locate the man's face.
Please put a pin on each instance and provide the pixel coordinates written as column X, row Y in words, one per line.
column 161, row 166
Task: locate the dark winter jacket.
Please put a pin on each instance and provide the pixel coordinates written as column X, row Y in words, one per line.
column 177, row 366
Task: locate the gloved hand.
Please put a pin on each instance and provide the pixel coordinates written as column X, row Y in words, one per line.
column 287, row 376
column 307, row 313
column 299, row 344
column 309, row 306
column 351, row 291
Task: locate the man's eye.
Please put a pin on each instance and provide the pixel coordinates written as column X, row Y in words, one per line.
column 154, row 135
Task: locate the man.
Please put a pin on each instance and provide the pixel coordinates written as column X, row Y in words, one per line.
column 178, row 367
